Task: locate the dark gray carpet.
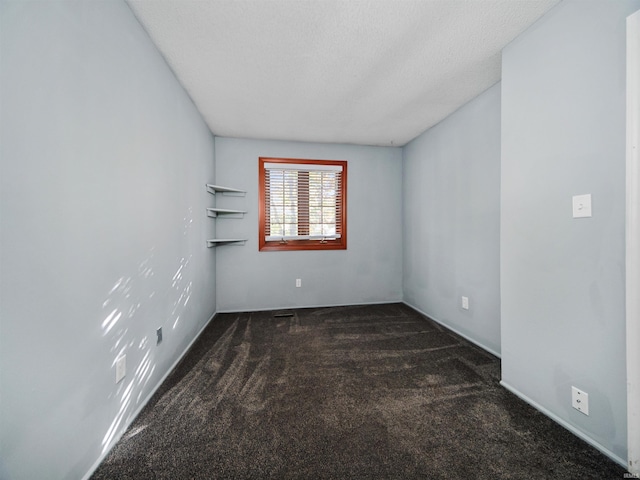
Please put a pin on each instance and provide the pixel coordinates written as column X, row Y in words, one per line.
column 343, row 393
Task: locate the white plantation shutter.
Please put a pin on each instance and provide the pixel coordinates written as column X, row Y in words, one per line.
column 302, row 201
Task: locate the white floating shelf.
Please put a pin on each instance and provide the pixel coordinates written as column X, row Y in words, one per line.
column 225, row 190
column 214, row 212
column 214, row 242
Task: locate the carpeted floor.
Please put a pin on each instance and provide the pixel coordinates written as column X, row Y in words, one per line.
column 369, row 392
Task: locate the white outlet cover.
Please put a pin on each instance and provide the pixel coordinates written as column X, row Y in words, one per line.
column 582, row 206
column 121, row 368
column 580, row 400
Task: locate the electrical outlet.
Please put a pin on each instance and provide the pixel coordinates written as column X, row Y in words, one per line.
column 121, row 368
column 159, row 336
column 465, row 303
column 580, row 400
column 581, row 206
column 298, row 282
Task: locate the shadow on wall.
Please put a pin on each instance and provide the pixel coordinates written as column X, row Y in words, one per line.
column 131, row 300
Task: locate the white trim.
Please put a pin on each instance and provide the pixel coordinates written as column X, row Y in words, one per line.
column 564, row 424
column 133, row 417
column 456, row 331
column 307, row 167
column 633, row 243
column 296, row 307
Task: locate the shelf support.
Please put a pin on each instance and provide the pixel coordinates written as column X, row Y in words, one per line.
column 214, row 212
column 215, row 242
column 213, row 189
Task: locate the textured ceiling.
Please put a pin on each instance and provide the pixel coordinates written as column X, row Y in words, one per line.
column 372, row 72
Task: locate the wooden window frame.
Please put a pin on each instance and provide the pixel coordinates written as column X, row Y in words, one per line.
column 305, row 244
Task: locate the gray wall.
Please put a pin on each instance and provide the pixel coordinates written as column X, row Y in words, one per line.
column 451, row 199
column 562, row 279
column 369, row 271
column 104, row 160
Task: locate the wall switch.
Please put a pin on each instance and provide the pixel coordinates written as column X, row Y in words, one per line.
column 121, row 368
column 298, row 282
column 582, row 206
column 465, row 303
column 159, row 336
column 580, row 400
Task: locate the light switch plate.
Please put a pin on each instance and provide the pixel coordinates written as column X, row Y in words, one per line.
column 582, row 206
column 465, row 303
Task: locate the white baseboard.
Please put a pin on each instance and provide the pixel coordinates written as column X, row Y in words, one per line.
column 456, row 331
column 289, row 307
column 566, row 425
column 122, row 431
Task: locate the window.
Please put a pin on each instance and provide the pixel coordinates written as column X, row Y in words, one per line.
column 303, row 204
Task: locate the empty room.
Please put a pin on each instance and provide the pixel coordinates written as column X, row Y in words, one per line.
column 319, row 239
